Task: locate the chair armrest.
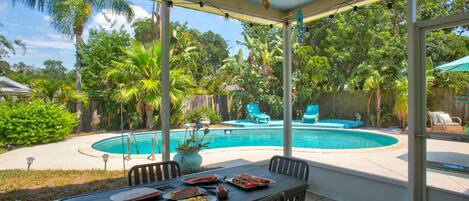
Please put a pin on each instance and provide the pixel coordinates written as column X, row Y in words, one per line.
column 457, row 118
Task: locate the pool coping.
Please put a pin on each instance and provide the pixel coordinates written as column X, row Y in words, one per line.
column 90, row 151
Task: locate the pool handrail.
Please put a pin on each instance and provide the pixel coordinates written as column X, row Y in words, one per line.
column 153, row 139
column 128, row 145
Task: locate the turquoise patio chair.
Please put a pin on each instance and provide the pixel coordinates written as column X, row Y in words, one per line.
column 311, row 115
column 255, row 113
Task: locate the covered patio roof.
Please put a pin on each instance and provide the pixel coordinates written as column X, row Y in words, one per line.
column 279, row 11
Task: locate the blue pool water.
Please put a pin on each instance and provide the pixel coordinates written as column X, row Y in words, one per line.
column 302, row 138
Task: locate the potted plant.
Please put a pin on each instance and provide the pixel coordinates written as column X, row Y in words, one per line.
column 187, row 154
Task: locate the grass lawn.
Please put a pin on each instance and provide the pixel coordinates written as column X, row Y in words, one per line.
column 54, row 184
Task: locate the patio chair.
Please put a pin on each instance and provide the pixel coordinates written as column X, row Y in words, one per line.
column 311, row 114
column 290, row 166
column 152, row 172
column 280, row 196
column 441, row 121
column 255, row 113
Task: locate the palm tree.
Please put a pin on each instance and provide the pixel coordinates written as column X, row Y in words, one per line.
column 69, row 17
column 401, row 87
column 264, row 49
column 56, row 91
column 400, row 105
column 372, row 81
column 138, row 79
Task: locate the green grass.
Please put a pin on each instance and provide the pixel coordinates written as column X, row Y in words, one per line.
column 55, row 184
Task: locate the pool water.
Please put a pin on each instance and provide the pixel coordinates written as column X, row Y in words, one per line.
column 302, row 138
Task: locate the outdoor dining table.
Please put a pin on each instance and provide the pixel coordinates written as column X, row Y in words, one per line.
column 282, row 183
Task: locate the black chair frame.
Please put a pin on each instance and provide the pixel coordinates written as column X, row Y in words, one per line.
column 292, row 167
column 152, row 172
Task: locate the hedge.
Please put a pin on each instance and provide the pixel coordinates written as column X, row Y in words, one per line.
column 37, row 122
column 203, row 112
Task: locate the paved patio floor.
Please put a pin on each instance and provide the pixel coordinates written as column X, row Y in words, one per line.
column 387, row 162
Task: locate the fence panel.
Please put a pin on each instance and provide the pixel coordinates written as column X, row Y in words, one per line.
column 342, row 105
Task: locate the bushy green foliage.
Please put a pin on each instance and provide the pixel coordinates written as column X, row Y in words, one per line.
column 135, row 120
column 310, row 75
column 177, row 117
column 202, row 113
column 32, row 123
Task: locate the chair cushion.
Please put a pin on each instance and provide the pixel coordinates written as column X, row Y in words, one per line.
column 312, row 109
column 253, row 108
column 444, row 117
column 314, row 116
column 435, row 119
column 447, row 124
column 262, row 116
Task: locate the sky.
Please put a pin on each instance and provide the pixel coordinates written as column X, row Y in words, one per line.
column 43, row 42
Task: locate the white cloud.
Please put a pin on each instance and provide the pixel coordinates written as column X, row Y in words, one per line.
column 107, row 18
column 3, row 6
column 54, row 41
column 66, row 52
column 37, row 54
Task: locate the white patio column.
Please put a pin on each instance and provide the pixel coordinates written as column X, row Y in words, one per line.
column 165, row 104
column 287, row 107
column 417, row 106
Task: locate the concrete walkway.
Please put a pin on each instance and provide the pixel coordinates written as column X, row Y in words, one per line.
column 387, row 162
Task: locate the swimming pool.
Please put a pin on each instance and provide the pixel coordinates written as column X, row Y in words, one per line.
column 302, row 138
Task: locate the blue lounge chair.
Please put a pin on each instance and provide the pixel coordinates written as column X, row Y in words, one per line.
column 311, row 115
column 255, row 113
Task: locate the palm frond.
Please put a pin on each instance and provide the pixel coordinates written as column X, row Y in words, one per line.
column 121, row 7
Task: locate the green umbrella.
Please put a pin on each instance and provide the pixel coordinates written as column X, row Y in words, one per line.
column 460, row 65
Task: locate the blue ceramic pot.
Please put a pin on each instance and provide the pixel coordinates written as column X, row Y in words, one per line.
column 189, row 161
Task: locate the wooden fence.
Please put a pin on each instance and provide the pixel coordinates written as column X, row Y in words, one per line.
column 342, row 105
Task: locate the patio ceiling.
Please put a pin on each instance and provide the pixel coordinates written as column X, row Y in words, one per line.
column 278, row 12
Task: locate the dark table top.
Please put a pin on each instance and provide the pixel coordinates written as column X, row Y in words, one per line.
column 282, row 183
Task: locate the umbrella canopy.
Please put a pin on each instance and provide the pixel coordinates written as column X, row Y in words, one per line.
column 460, row 65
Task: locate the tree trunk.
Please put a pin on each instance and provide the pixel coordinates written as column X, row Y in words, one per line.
column 156, row 18
column 149, row 114
column 368, row 108
column 79, row 50
column 378, row 106
column 213, row 102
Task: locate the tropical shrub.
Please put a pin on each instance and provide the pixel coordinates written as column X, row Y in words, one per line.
column 176, row 117
column 37, row 122
column 135, row 120
column 203, row 112
column 138, row 79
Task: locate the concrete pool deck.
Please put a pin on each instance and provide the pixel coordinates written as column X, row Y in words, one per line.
column 388, row 162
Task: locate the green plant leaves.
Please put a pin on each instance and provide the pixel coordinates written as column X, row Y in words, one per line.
column 37, row 122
